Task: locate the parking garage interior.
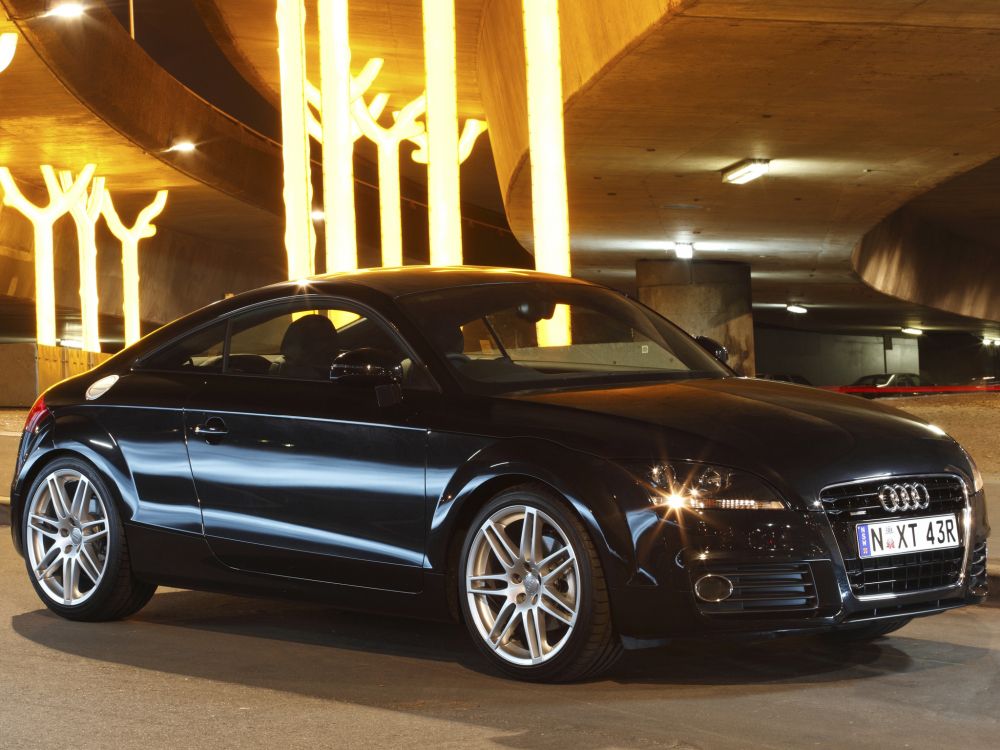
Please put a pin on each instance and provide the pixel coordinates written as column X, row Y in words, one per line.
column 862, row 258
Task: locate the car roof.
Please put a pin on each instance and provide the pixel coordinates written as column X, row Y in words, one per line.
column 396, row 282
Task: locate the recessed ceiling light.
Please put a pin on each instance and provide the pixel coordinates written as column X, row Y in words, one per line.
column 912, row 331
column 67, row 10
column 745, row 171
column 317, row 214
column 684, row 250
column 797, row 309
column 182, row 147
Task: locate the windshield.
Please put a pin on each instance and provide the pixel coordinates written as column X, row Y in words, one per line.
column 522, row 336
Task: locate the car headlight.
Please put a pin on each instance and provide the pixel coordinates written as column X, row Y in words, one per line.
column 977, row 475
column 705, row 487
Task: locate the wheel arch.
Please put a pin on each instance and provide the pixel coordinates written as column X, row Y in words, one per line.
column 80, row 438
column 577, row 479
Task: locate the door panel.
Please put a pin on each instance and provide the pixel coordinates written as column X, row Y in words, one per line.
column 305, row 483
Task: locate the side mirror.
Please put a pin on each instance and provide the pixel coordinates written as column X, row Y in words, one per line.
column 714, row 348
column 367, row 367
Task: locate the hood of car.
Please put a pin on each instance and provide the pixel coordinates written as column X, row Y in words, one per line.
column 788, row 433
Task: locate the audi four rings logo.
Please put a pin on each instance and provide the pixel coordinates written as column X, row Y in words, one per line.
column 897, row 497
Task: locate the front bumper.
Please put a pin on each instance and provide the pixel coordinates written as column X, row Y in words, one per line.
column 793, row 571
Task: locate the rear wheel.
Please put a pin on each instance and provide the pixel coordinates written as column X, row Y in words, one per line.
column 868, row 631
column 75, row 548
column 532, row 590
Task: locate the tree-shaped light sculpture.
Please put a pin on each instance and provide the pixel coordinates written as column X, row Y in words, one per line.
column 42, row 219
column 387, row 140
column 471, row 131
column 300, row 235
column 335, row 128
column 130, row 237
column 547, row 151
column 8, row 45
column 86, row 212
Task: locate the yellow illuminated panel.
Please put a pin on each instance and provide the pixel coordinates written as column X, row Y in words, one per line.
column 8, row 45
column 130, row 237
column 338, row 141
column 387, row 141
column 444, row 214
column 86, row 212
column 42, row 219
column 300, row 235
column 549, row 201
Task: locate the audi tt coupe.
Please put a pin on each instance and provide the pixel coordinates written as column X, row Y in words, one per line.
column 544, row 459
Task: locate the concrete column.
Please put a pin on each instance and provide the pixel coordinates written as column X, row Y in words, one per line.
column 705, row 298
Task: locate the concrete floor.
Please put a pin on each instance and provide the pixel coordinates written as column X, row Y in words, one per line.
column 204, row 670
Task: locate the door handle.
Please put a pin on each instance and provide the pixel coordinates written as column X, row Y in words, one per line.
column 212, row 431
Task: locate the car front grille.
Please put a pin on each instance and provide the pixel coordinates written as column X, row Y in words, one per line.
column 860, row 500
column 763, row 589
column 848, row 504
column 903, row 574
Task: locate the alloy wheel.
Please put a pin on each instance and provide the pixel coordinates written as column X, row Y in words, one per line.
column 67, row 537
column 523, row 585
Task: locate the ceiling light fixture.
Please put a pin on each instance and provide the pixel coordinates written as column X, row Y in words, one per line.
column 745, row 171
column 912, row 331
column 317, row 214
column 797, row 309
column 683, row 250
column 67, row 10
column 182, row 147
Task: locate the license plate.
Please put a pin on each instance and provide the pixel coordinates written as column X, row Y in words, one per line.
column 907, row 535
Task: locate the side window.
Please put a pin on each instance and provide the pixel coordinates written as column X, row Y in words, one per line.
column 200, row 352
column 299, row 341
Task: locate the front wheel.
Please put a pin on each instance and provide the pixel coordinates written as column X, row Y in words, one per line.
column 532, row 589
column 75, row 548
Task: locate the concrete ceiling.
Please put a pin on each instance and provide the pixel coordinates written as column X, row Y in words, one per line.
column 861, row 107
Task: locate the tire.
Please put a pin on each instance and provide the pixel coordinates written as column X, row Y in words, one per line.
column 74, row 542
column 538, row 611
column 868, row 631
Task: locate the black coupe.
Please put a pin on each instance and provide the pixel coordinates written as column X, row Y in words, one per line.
column 544, row 459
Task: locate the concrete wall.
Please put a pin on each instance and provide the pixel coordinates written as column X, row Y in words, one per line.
column 832, row 359
column 705, row 298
